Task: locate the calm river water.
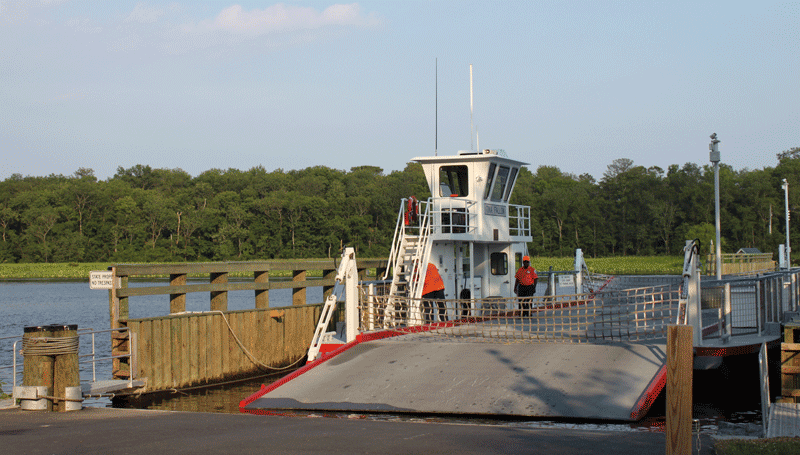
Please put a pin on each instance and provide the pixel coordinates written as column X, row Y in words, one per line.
column 32, row 303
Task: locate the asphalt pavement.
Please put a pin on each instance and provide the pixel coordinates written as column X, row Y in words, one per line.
column 131, row 431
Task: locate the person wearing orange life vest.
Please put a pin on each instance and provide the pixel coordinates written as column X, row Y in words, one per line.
column 525, row 284
column 433, row 290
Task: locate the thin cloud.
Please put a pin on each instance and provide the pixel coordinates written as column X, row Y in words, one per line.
column 144, row 14
column 280, row 18
column 276, row 26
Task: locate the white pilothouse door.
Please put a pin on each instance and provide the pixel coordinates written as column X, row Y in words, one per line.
column 500, row 275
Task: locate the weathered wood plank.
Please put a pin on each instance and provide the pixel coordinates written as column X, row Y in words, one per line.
column 250, row 337
column 261, row 335
column 158, row 356
column 275, row 332
column 227, row 267
column 203, row 343
column 185, row 359
column 679, row 389
column 177, row 352
column 214, row 371
column 166, row 350
column 235, row 349
column 225, row 345
column 194, row 349
column 237, row 286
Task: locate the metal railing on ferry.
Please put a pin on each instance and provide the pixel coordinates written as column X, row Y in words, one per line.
column 748, row 304
column 623, row 315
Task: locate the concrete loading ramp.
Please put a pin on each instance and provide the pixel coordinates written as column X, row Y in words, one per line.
column 411, row 374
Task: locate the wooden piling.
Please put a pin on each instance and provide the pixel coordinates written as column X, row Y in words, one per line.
column 219, row 299
column 38, row 369
column 177, row 302
column 262, row 295
column 65, row 367
column 680, row 360
column 298, row 294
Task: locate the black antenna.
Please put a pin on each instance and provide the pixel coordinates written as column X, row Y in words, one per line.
column 436, row 135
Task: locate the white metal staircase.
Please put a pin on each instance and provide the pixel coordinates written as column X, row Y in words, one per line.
column 408, row 260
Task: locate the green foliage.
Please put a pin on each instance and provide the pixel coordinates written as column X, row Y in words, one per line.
column 772, row 446
column 59, row 271
column 706, row 233
column 165, row 215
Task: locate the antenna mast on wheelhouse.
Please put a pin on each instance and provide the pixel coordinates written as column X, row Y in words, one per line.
column 471, row 127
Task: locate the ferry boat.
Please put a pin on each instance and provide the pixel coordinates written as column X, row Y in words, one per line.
column 590, row 346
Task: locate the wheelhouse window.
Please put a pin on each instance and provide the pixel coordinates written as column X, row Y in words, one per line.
column 489, row 180
column 510, row 184
column 453, row 181
column 499, row 263
column 499, row 186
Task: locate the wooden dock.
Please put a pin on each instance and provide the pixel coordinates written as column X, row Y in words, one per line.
column 204, row 348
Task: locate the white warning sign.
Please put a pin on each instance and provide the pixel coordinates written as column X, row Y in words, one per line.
column 101, row 279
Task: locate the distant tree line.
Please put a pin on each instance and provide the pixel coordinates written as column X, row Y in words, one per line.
column 165, row 215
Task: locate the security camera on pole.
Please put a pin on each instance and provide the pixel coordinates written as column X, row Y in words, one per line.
column 714, row 157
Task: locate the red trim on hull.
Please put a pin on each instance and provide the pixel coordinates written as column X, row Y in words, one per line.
column 732, row 350
column 650, row 394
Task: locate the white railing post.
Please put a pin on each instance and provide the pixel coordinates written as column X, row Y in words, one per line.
column 727, row 313
column 578, row 269
column 371, row 307
column 351, row 302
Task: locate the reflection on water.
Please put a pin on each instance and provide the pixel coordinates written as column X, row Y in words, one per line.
column 223, row 398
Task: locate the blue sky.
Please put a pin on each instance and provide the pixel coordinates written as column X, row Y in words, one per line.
column 226, row 84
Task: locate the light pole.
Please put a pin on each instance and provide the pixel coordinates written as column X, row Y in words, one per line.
column 788, row 249
column 714, row 157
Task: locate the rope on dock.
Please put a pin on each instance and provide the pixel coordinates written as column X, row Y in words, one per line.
column 248, row 353
column 49, row 346
column 57, row 399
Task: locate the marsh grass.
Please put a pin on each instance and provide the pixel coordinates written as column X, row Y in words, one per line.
column 622, row 265
column 80, row 272
column 627, row 265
